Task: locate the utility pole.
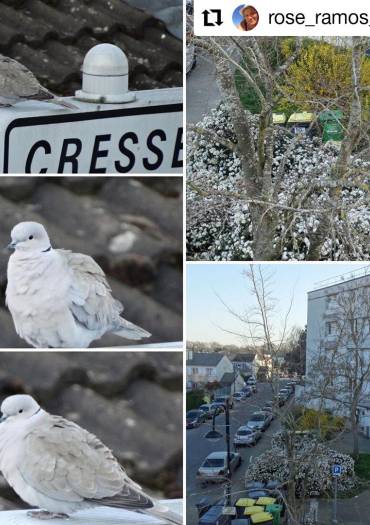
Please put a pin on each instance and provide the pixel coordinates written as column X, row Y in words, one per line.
column 227, row 436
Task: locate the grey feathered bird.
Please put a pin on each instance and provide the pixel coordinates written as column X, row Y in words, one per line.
column 17, row 84
column 56, row 465
column 60, row 299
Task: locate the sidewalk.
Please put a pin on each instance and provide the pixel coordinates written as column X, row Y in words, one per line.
column 352, row 511
column 202, row 93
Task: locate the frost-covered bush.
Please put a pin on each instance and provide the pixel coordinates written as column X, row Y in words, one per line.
column 313, row 466
column 219, row 224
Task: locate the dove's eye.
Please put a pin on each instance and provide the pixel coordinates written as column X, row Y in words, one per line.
column 20, row 411
column 30, row 237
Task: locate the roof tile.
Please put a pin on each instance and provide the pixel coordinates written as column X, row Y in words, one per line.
column 51, row 38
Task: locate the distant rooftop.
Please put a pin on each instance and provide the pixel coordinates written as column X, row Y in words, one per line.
column 228, row 378
column 204, row 359
column 51, row 38
column 358, row 273
column 247, row 358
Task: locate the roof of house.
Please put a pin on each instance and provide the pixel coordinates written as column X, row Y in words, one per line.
column 205, row 359
column 51, row 38
column 248, row 358
column 228, row 378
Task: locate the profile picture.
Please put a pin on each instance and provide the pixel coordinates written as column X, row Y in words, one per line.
column 245, row 17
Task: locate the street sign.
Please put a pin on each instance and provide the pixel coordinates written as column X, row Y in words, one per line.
column 337, row 470
column 144, row 136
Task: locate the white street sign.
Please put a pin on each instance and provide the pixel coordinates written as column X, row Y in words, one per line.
column 144, row 136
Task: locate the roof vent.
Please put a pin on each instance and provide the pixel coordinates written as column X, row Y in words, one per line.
column 105, row 76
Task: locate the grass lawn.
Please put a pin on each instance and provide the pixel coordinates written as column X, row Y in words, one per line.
column 362, row 466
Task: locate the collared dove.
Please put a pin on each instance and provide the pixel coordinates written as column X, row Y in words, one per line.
column 55, row 465
column 17, row 83
column 60, row 299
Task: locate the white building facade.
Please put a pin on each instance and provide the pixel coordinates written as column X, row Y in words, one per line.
column 206, row 367
column 338, row 347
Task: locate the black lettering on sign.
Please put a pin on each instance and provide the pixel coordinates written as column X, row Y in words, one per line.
column 70, row 158
column 128, row 153
column 40, row 144
column 151, row 166
column 176, row 162
column 98, row 153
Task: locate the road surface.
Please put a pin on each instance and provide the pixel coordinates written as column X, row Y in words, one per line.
column 197, row 448
column 202, row 92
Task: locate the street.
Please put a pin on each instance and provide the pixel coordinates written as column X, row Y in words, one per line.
column 197, row 448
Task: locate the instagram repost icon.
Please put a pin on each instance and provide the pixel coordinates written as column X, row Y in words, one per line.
column 245, row 17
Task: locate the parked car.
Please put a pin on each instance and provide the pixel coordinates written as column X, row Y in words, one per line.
column 268, row 409
column 214, row 515
column 238, row 396
column 269, row 415
column 247, row 436
column 252, row 383
column 194, row 418
column 214, row 469
column 247, row 391
column 285, row 392
column 223, row 399
column 259, row 420
column 210, row 410
column 219, row 406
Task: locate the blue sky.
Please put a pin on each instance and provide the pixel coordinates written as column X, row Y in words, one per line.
column 206, row 314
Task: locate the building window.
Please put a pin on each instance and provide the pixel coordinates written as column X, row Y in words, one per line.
column 195, row 370
column 330, row 328
column 209, row 371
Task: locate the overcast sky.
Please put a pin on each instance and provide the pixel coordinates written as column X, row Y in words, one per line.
column 206, row 313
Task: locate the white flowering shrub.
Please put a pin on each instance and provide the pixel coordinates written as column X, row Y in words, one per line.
column 313, row 467
column 219, row 226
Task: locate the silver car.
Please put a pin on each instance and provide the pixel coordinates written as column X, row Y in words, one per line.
column 246, row 436
column 214, row 467
column 259, row 420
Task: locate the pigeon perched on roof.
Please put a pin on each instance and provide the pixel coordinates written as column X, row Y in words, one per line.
column 60, row 299
column 56, row 465
column 17, row 84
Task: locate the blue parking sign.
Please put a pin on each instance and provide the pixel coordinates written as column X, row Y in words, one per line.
column 337, row 470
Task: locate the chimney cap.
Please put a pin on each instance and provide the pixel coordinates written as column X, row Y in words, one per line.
column 105, row 60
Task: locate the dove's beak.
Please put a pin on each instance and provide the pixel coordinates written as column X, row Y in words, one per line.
column 11, row 246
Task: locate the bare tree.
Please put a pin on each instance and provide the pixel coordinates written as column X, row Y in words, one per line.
column 340, row 373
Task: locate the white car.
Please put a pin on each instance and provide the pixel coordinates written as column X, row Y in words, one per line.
column 214, row 468
column 239, row 396
column 246, row 436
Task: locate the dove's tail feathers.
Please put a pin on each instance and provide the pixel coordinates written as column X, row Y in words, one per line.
column 62, row 102
column 131, row 331
column 165, row 514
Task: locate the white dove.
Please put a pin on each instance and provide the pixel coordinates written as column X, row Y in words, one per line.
column 55, row 465
column 17, row 83
column 60, row 299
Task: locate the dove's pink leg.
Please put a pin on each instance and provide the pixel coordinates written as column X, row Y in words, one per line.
column 45, row 515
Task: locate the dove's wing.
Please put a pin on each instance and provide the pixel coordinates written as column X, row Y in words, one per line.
column 66, row 463
column 91, row 302
column 18, row 81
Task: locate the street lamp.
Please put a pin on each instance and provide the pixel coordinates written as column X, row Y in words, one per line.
column 214, row 435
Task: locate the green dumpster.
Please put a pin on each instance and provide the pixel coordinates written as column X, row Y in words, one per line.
column 331, row 124
column 276, row 511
